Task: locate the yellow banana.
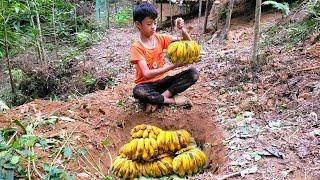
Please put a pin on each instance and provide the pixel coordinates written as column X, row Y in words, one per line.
column 171, row 143
column 140, row 148
column 134, row 145
column 152, row 135
column 194, row 165
column 176, row 164
column 144, row 170
column 185, row 162
column 154, row 145
column 168, row 161
column 156, row 169
column 145, row 133
column 150, row 170
column 184, row 137
column 156, row 130
column 161, row 139
column 163, row 168
column 175, row 141
column 138, row 168
column 181, row 171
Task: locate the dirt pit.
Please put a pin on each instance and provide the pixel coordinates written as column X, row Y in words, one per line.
column 110, row 115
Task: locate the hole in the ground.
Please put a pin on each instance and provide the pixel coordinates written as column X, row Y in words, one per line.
column 199, row 124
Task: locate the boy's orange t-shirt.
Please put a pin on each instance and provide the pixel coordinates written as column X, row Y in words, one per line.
column 153, row 57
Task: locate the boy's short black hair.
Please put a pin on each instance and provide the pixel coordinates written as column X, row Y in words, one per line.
column 143, row 10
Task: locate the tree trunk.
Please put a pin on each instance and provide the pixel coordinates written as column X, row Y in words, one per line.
column 41, row 38
column 200, row 9
column 75, row 19
column 54, row 30
column 206, row 17
column 108, row 13
column 171, row 21
column 38, row 49
column 255, row 48
column 161, row 12
column 13, row 89
column 231, row 3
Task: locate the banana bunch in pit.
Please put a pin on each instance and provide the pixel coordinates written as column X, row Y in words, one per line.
column 140, row 149
column 188, row 161
column 171, row 141
column 145, row 131
column 156, row 168
column 183, row 51
column 153, row 152
column 124, row 168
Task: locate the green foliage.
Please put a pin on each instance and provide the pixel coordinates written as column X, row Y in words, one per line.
column 314, row 10
column 123, row 17
column 88, row 79
column 83, row 38
column 55, row 173
column 283, row 7
column 291, row 34
column 17, row 75
column 15, row 154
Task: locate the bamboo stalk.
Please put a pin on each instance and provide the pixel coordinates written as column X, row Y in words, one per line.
column 41, row 38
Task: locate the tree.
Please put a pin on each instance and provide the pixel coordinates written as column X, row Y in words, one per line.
column 255, row 48
column 8, row 38
column 231, row 3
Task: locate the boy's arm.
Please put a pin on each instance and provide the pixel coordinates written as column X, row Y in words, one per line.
column 180, row 26
column 151, row 73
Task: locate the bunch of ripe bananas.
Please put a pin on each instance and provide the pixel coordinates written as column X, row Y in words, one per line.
column 172, row 141
column 153, row 152
column 128, row 169
column 188, row 161
column 124, row 168
column 157, row 168
column 183, row 51
column 140, row 149
column 145, row 131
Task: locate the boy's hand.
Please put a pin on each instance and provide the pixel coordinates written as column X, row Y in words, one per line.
column 179, row 23
column 179, row 64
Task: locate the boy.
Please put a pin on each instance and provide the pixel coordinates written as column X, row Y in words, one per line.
column 153, row 86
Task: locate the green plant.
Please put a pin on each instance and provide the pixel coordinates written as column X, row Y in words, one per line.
column 83, row 38
column 88, row 79
column 123, row 17
column 283, row 7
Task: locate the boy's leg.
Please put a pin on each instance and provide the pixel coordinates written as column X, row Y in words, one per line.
column 147, row 93
column 182, row 81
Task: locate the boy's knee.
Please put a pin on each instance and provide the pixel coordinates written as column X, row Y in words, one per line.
column 194, row 73
column 138, row 92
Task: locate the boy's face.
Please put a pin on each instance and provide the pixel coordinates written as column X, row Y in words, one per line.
column 148, row 26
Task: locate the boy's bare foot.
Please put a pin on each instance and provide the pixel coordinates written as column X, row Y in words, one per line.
column 150, row 108
column 182, row 101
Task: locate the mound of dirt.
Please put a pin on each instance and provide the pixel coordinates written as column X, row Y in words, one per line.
column 110, row 115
